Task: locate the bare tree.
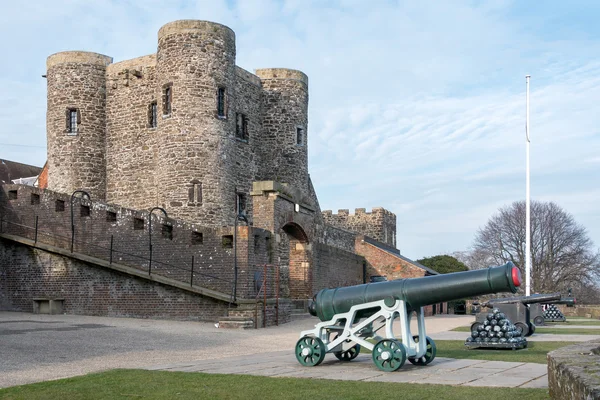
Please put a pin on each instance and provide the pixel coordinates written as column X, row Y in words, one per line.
column 562, row 254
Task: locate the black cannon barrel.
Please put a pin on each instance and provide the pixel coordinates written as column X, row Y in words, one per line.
column 570, row 301
column 534, row 298
column 418, row 292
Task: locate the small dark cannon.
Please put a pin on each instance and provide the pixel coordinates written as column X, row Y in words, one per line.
column 517, row 310
column 543, row 312
column 352, row 314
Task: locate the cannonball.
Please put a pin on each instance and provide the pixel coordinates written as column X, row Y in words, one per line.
column 489, row 316
column 494, row 322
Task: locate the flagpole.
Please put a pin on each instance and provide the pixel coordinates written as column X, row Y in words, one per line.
column 528, row 205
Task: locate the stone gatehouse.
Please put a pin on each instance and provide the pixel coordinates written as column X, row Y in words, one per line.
column 219, row 151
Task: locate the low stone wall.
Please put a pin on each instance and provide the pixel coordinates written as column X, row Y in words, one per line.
column 587, row 311
column 574, row 371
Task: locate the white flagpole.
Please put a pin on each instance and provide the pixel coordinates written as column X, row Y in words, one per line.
column 528, row 206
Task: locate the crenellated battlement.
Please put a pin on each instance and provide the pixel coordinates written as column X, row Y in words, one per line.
column 379, row 223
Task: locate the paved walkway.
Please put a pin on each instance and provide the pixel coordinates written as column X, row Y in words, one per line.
column 35, row 348
column 441, row 370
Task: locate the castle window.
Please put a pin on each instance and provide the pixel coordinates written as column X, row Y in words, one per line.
column 241, row 203
column 197, row 238
column 227, row 242
column 35, row 199
column 153, row 115
column 167, row 232
column 73, row 119
column 12, row 195
column 241, row 127
column 195, row 192
column 256, row 244
column 138, row 224
column 299, row 136
column 59, row 205
column 111, row 216
column 84, row 211
column 167, row 99
column 221, row 106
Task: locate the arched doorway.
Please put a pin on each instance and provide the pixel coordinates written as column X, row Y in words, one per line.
column 296, row 245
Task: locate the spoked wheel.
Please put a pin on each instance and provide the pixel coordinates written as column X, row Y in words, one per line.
column 429, row 352
column 389, row 355
column 349, row 354
column 310, row 351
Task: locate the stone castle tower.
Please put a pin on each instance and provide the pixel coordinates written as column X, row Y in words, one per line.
column 185, row 128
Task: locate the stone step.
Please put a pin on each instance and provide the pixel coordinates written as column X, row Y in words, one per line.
column 236, row 323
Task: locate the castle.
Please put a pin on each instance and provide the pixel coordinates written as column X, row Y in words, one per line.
column 221, row 150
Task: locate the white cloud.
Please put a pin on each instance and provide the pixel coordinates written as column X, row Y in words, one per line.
column 415, row 107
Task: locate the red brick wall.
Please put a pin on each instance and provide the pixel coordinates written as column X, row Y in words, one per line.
column 381, row 262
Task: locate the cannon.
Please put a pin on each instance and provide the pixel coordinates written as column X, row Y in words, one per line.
column 516, row 309
column 352, row 315
column 539, row 313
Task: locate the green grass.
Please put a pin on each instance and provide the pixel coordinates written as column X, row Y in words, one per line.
column 535, row 352
column 138, row 384
column 557, row 331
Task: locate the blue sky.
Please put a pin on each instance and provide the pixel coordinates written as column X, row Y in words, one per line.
column 415, row 106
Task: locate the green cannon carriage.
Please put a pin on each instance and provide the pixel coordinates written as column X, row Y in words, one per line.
column 517, row 310
column 352, row 315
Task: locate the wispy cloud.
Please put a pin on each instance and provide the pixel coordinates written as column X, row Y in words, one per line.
column 415, row 107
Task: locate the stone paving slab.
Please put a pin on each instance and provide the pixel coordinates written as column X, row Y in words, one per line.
column 440, row 371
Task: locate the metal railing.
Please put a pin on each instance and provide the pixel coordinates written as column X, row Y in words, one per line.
column 64, row 242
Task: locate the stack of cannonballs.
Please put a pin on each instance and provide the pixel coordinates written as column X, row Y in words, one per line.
column 496, row 331
column 553, row 314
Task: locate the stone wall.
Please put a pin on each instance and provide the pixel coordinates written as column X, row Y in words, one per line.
column 76, row 81
column 574, row 372
column 174, row 242
column 27, row 273
column 131, row 143
column 380, row 224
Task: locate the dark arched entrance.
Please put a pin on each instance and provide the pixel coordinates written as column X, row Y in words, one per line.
column 299, row 261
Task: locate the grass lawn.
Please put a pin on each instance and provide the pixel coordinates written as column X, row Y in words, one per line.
column 139, row 384
column 582, row 321
column 557, row 331
column 535, row 352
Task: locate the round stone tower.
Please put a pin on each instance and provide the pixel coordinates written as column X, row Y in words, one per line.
column 195, row 66
column 285, row 127
column 76, row 122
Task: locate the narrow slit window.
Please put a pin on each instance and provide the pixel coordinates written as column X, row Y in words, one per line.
column 12, row 195
column 195, row 193
column 221, row 102
column 241, row 127
column 256, row 244
column 241, row 203
column 299, row 136
column 72, row 120
column 35, row 199
column 167, row 99
column 153, row 115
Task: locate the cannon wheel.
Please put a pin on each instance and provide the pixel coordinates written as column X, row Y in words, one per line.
column 474, row 326
column 524, row 328
column 429, row 353
column 389, row 355
column 347, row 355
column 539, row 320
column 531, row 329
column 310, row 351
